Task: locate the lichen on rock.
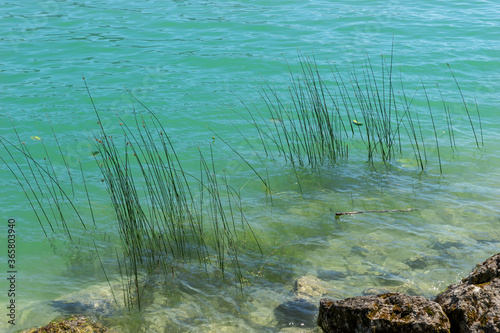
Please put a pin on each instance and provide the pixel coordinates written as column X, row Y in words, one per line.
column 474, row 304
column 391, row 312
column 73, row 324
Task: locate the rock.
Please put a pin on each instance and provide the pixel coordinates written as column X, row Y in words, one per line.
column 474, row 304
column 418, row 262
column 485, row 272
column 96, row 301
column 91, row 307
column 74, row 324
column 300, row 330
column 409, row 288
column 391, row 312
column 297, row 312
column 310, row 286
column 301, row 309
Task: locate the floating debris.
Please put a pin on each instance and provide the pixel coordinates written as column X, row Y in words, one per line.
column 377, row 211
column 275, row 120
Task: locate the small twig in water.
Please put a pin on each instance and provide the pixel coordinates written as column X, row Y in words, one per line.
column 377, row 211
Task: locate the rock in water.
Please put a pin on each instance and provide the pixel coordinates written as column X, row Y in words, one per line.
column 297, row 312
column 300, row 311
column 388, row 313
column 474, row 304
column 74, row 324
column 309, row 287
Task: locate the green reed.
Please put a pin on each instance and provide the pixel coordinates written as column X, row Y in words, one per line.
column 39, row 181
column 165, row 214
column 328, row 115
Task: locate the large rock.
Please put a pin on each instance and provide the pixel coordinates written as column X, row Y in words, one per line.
column 391, row 312
column 474, row 304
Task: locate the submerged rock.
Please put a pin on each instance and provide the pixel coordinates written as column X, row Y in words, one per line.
column 417, row 262
column 301, row 310
column 300, row 330
column 95, row 301
column 297, row 312
column 409, row 288
column 309, row 287
column 391, row 312
column 474, row 304
column 96, row 307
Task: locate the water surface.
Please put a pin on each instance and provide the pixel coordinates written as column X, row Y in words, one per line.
column 190, row 62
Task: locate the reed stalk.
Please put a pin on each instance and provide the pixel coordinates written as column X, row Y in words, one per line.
column 164, row 214
column 323, row 117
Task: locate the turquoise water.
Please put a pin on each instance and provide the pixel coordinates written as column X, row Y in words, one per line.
column 190, row 62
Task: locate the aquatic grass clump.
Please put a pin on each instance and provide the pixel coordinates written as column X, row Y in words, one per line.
column 325, row 118
column 165, row 215
column 305, row 133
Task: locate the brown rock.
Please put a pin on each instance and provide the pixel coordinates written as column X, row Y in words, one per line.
column 74, row 324
column 474, row 304
column 391, row 312
column 485, row 272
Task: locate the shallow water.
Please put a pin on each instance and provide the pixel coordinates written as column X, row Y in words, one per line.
column 190, row 62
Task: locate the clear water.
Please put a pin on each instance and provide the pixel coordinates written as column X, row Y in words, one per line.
column 185, row 59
